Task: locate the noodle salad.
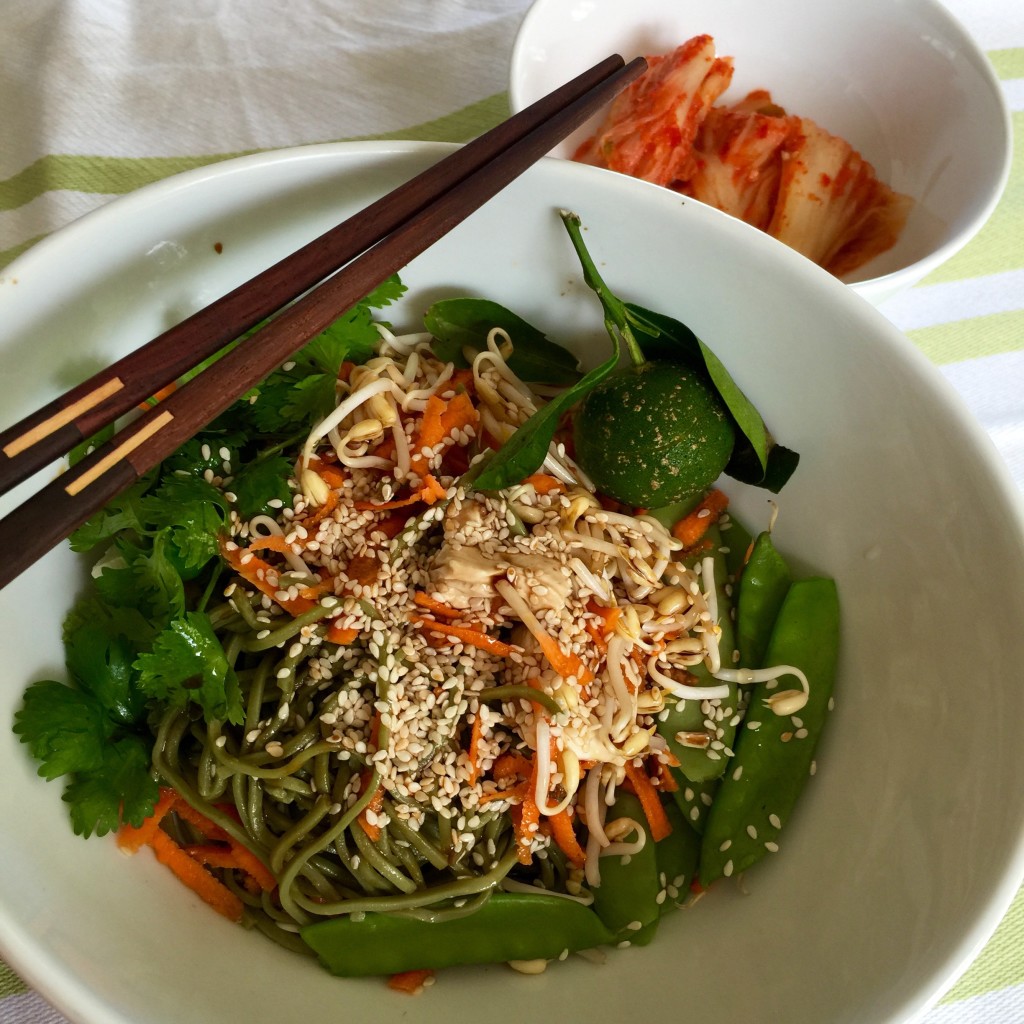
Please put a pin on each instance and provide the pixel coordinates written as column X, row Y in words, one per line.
column 357, row 696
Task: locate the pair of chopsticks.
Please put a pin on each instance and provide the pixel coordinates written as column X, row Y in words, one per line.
column 331, row 274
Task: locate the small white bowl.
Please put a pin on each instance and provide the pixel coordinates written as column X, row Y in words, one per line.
column 901, row 80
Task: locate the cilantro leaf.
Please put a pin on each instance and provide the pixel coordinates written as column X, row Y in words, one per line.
column 121, row 789
column 100, row 645
column 261, row 482
column 388, row 291
column 143, row 579
column 352, row 336
column 188, row 663
column 287, row 401
column 194, row 514
column 122, row 513
column 66, row 729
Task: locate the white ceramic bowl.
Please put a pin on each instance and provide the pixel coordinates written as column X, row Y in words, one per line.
column 908, row 845
column 901, row 80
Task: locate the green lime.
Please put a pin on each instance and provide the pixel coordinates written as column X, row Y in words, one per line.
column 653, row 434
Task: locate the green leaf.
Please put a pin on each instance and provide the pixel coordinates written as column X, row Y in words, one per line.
column 460, row 324
column 261, row 482
column 125, row 512
column 756, row 459
column 122, row 788
column 188, row 663
column 143, row 578
column 288, row 401
column 66, row 729
column 101, row 644
column 192, row 513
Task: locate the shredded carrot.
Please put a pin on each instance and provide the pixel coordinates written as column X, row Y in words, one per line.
column 363, row 569
column 209, row 829
column 439, row 419
column 410, row 982
column 273, row 542
column 564, row 664
column 212, row 855
column 599, row 632
column 692, row 527
column 562, row 831
column 657, row 819
column 345, row 370
column 315, row 592
column 430, row 492
column 391, row 526
column 132, row 838
column 473, row 754
column 333, row 476
column 339, row 635
column 245, row 860
column 159, row 396
column 209, row 889
column 527, row 820
column 511, row 765
column 666, row 780
column 432, row 604
column 466, row 635
column 259, row 573
column 544, row 483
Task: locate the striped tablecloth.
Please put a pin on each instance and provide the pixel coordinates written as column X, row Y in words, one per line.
column 99, row 97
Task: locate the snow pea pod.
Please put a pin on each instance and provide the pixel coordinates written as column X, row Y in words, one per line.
column 626, row 901
column 774, row 752
column 693, row 799
column 701, row 764
column 676, row 856
column 509, row 926
column 736, row 540
column 763, row 585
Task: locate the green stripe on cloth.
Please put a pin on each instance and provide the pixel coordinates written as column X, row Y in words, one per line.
column 10, row 983
column 998, row 245
column 109, row 175
column 971, row 339
column 999, row 964
column 7, row 255
column 1007, row 63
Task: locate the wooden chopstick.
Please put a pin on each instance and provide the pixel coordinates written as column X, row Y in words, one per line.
column 61, row 424
column 53, row 513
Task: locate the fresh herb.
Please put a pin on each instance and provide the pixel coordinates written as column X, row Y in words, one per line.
column 458, row 325
column 140, row 637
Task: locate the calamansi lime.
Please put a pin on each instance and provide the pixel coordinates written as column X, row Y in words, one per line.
column 653, row 434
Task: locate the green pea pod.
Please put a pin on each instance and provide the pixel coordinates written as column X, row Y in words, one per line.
column 509, row 926
column 736, row 539
column 676, row 856
column 774, row 752
column 626, row 901
column 763, row 585
column 693, row 799
column 700, row 765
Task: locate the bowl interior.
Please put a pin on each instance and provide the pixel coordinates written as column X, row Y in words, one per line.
column 907, row 846
column 901, row 81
